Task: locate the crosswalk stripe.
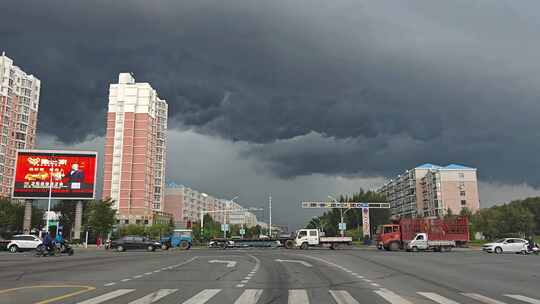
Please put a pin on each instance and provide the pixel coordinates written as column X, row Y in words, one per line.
column 154, row 296
column 249, row 296
column 437, row 298
column 391, row 297
column 343, row 297
column 203, row 296
column 481, row 298
column 298, row 296
column 523, row 298
column 108, row 296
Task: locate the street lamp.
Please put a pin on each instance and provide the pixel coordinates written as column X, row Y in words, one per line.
column 342, row 213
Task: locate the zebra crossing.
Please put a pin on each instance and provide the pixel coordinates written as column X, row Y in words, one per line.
column 300, row 296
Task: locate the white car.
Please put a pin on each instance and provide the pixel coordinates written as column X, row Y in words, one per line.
column 513, row 245
column 23, row 242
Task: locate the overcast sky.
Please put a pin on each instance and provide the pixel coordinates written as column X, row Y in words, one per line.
column 298, row 98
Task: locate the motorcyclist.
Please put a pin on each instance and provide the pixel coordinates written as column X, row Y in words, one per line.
column 48, row 242
column 59, row 239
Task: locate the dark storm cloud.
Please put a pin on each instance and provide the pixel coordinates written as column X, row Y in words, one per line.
column 332, row 87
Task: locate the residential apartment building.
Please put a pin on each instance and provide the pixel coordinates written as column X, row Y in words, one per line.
column 432, row 190
column 134, row 160
column 185, row 204
column 19, row 104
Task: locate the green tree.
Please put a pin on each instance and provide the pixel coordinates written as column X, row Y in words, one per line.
column 157, row 231
column 101, row 217
column 132, row 229
column 11, row 217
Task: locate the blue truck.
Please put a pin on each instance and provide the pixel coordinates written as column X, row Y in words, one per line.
column 181, row 238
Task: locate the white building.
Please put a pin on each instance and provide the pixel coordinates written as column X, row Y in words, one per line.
column 19, row 104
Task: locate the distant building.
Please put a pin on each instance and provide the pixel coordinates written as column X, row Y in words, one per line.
column 431, row 190
column 19, row 104
column 135, row 146
column 185, row 204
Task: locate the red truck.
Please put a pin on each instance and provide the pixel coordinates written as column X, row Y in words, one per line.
column 424, row 234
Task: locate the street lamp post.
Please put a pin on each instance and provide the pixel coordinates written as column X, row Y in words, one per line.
column 342, row 213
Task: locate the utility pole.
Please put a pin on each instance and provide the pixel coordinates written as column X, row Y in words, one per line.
column 270, row 217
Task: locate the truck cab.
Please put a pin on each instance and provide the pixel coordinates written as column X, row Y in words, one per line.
column 179, row 238
column 307, row 237
column 389, row 237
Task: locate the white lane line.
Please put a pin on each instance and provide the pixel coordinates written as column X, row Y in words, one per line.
column 375, row 284
column 137, row 276
column 298, row 296
column 240, row 285
column 108, row 296
column 367, row 280
column 154, row 296
column 156, row 271
column 523, row 298
column 148, row 273
column 343, row 297
column 391, row 296
column 203, row 296
column 244, row 281
column 482, row 299
column 110, row 284
column 125, row 280
column 437, row 298
column 249, row 296
column 354, row 274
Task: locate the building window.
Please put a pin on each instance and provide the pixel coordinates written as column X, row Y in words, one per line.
column 462, row 193
column 126, row 222
column 463, row 202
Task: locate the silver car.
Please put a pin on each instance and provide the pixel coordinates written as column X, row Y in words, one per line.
column 512, row 245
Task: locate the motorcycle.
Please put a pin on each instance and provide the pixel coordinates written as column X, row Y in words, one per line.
column 531, row 249
column 55, row 250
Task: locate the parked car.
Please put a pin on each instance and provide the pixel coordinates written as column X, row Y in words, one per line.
column 134, row 242
column 3, row 243
column 512, row 245
column 23, row 242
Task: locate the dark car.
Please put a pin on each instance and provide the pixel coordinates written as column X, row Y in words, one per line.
column 134, row 242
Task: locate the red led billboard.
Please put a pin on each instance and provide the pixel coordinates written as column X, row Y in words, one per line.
column 63, row 174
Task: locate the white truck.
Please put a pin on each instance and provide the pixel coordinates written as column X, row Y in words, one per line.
column 421, row 242
column 305, row 238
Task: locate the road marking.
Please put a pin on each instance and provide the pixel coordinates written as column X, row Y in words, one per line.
column 294, row 261
column 137, row 276
column 108, row 296
column 110, row 284
column 298, row 296
column 156, row 271
column 437, row 298
column 203, row 296
column 375, row 284
column 125, row 280
column 249, row 296
column 240, row 285
column 523, row 298
column 391, row 296
column 154, row 296
column 343, row 297
column 481, row 298
column 147, row 273
column 229, row 263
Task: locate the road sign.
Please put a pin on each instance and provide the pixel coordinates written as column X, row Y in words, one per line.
column 347, row 205
column 224, row 227
column 342, row 226
column 242, row 231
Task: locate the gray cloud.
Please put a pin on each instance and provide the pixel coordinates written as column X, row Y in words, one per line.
column 314, row 87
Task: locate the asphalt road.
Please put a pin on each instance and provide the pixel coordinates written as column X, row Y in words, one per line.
column 245, row 276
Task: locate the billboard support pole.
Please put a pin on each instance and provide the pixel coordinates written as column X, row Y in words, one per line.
column 27, row 225
column 49, row 202
column 78, row 220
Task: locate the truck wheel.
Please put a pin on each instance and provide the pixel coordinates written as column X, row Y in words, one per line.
column 394, row 246
column 289, row 244
column 150, row 248
column 119, row 248
column 184, row 245
column 304, row 246
column 415, row 249
column 164, row 247
column 333, row 246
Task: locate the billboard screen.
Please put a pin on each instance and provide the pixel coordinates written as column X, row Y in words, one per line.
column 65, row 174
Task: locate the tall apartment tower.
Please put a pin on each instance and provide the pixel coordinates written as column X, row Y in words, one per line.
column 432, row 190
column 135, row 146
column 19, row 104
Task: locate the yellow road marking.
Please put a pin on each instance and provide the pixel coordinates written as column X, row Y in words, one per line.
column 58, row 298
